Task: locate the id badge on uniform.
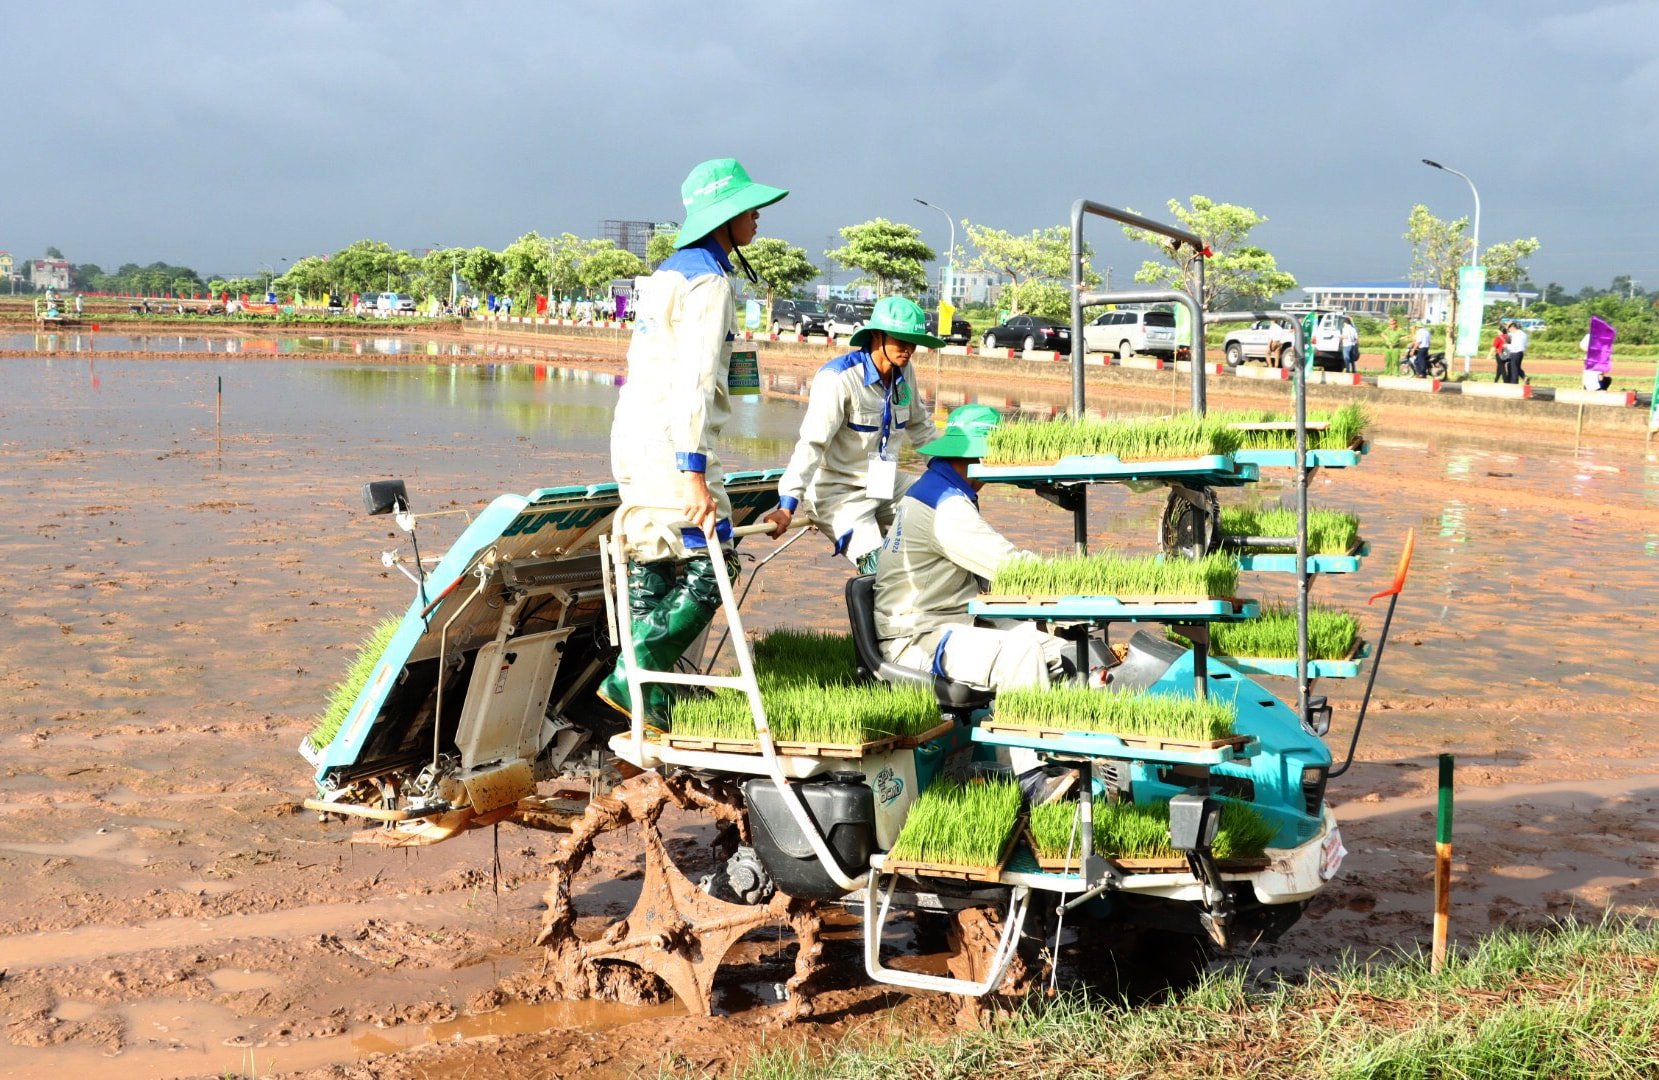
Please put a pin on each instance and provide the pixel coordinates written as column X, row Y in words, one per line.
column 743, row 375
column 884, row 477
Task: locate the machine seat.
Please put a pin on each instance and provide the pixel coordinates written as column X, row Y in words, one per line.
column 861, row 613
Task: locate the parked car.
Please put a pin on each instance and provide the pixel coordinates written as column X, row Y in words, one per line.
column 1029, row 332
column 847, row 317
column 1273, row 342
column 799, row 317
column 1126, row 333
column 961, row 331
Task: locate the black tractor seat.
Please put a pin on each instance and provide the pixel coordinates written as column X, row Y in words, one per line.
column 861, row 613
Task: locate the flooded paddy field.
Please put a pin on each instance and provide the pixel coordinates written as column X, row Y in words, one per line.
column 188, row 571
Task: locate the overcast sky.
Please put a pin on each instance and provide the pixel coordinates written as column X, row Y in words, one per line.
column 228, row 136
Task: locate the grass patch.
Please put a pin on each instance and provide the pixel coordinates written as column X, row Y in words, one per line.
column 953, row 824
column 1574, row 1001
column 1331, row 635
column 344, row 694
column 1144, row 439
column 1330, row 532
column 1109, row 574
column 1130, row 831
column 1344, row 426
column 805, row 657
column 1079, row 708
column 845, row 714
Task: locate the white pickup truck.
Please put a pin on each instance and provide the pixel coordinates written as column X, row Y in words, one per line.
column 1273, row 343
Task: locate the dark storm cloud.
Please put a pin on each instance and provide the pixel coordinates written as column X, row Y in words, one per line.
column 227, row 136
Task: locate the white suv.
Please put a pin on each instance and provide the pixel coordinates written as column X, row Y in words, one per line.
column 1128, row 332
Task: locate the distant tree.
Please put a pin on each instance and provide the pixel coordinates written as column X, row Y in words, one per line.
column 1554, row 294
column 372, row 266
column 53, row 253
column 1035, row 263
column 439, row 268
column 1236, row 274
column 889, row 255
column 526, row 265
column 566, row 253
column 482, row 269
column 1503, row 261
column 606, row 264
column 660, row 247
column 1439, row 247
column 781, row 266
column 313, row 275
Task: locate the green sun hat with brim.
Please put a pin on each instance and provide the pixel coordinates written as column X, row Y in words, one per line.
column 900, row 318
column 966, row 433
column 717, row 191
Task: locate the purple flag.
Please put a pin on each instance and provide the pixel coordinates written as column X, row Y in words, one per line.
column 622, row 305
column 1599, row 355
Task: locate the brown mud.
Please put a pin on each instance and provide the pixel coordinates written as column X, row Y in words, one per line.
column 173, row 613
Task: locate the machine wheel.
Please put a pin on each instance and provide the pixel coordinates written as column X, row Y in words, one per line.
column 1235, row 354
column 676, row 932
column 1191, row 523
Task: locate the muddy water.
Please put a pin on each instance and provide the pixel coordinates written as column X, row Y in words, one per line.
column 188, row 573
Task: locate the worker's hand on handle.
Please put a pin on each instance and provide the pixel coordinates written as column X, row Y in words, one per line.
column 700, row 508
column 780, row 519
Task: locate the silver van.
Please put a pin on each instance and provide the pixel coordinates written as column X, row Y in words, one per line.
column 1126, row 333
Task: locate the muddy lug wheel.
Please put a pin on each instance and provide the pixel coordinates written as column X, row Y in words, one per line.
column 675, row 932
column 974, row 935
column 1191, row 523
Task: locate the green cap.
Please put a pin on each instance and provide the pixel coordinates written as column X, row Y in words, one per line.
column 899, row 317
column 717, row 191
column 966, row 431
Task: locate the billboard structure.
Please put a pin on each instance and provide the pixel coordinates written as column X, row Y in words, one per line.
column 634, row 236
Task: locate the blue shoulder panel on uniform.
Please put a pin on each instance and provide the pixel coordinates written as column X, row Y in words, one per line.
column 706, row 256
column 846, row 362
column 939, row 483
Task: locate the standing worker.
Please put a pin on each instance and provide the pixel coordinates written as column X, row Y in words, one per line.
column 845, row 465
column 677, row 397
column 1350, row 346
column 1514, row 351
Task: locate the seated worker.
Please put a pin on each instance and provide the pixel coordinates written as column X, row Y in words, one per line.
column 936, row 559
column 845, row 464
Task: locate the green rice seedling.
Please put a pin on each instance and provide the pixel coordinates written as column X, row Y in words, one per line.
column 1130, row 713
column 805, row 657
column 344, row 694
column 1109, row 574
column 1331, row 634
column 1140, row 439
column 1133, row 831
column 952, row 824
column 846, row 714
column 1342, row 428
column 1330, row 532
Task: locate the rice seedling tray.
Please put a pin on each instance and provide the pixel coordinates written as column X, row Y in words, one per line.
column 803, row 749
column 1172, row 864
column 1282, row 563
column 1346, row 668
column 1100, row 744
column 1323, row 459
column 953, row 872
column 1209, row 470
column 1115, row 608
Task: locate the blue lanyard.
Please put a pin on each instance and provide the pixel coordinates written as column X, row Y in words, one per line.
column 887, row 409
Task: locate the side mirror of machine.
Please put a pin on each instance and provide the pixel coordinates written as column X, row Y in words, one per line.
column 385, row 497
column 1318, row 720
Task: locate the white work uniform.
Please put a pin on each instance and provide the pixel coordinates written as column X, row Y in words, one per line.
column 852, row 416
column 675, row 401
column 936, row 559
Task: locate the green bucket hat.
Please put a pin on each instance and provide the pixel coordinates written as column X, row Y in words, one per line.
column 717, row 191
column 899, row 317
column 966, row 431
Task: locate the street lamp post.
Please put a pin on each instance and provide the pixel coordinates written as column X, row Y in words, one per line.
column 950, row 257
column 1474, row 250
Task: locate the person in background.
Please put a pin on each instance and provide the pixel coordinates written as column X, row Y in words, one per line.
column 1420, row 351
column 669, row 414
column 1498, row 343
column 77, row 303
column 861, row 407
column 1514, row 351
column 936, row 558
column 1350, row 346
column 1597, row 346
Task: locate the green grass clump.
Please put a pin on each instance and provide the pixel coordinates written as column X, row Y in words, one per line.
column 1330, row 532
column 1571, row 1001
column 1131, row 831
column 1343, row 426
column 1331, row 635
column 1079, row 708
column 846, row 714
column 805, row 657
column 344, row 694
column 953, row 824
column 1142, row 439
column 1109, row 574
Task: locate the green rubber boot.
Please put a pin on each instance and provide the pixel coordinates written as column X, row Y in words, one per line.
column 648, row 583
column 662, row 633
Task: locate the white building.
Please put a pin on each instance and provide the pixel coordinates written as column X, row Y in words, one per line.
column 971, row 287
column 49, row 274
column 1378, row 298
